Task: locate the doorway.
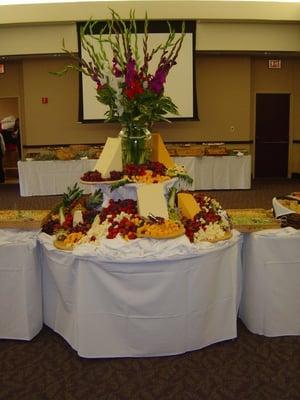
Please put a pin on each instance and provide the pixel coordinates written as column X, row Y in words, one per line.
column 272, row 135
column 9, row 112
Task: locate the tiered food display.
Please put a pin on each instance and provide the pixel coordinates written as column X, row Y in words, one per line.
column 150, row 172
column 81, row 219
column 109, row 168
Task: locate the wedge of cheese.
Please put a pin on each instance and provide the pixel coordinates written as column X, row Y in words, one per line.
column 159, row 151
column 110, row 158
column 151, row 200
column 187, row 205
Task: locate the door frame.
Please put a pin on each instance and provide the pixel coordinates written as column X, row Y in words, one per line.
column 21, row 131
column 291, row 127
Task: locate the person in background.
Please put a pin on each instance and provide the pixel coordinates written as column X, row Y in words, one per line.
column 2, row 152
column 16, row 136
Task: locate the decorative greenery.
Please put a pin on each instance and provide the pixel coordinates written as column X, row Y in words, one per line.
column 134, row 96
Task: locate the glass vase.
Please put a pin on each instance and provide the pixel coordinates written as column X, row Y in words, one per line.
column 136, row 144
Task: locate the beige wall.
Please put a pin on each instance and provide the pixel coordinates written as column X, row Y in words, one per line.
column 226, row 88
column 223, row 86
column 57, row 121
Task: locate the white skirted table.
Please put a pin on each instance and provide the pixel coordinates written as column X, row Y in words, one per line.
column 270, row 303
column 218, row 172
column 156, row 298
column 39, row 178
column 20, row 285
column 43, row 178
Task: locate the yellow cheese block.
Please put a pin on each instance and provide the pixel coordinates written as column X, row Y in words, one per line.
column 187, row 205
column 151, row 200
column 110, row 158
column 160, row 152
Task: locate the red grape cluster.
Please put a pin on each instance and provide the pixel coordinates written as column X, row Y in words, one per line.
column 95, row 176
column 126, row 228
column 115, row 207
column 116, row 175
column 92, row 176
column 156, row 167
column 51, row 226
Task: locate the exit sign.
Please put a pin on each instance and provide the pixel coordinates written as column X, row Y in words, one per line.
column 274, row 64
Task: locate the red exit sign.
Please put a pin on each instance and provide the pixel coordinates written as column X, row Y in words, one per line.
column 274, row 64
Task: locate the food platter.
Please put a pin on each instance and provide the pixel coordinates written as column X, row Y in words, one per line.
column 252, row 219
column 172, row 235
column 228, row 235
column 22, row 219
column 100, row 182
column 61, row 245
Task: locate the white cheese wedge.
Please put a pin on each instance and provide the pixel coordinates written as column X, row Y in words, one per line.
column 151, row 200
column 77, row 217
column 111, row 157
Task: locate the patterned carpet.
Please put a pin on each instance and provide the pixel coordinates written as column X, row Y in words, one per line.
column 251, row 367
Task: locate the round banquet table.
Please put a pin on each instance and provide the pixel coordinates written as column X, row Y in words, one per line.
column 142, row 298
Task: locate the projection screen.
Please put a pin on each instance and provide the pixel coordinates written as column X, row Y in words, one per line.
column 180, row 84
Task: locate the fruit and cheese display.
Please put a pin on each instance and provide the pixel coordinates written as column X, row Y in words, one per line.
column 84, row 219
column 22, row 219
column 150, row 172
column 110, row 169
column 61, row 218
column 210, row 224
column 159, row 228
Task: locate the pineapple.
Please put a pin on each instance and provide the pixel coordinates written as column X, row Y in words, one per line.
column 95, row 200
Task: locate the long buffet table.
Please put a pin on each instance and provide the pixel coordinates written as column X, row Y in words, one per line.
column 38, row 178
column 132, row 306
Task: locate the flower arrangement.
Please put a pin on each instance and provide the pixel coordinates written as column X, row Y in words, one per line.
column 124, row 82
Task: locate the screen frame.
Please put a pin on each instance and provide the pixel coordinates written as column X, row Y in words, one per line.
column 154, row 26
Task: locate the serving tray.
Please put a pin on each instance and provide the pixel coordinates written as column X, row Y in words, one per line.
column 22, row 219
column 252, row 219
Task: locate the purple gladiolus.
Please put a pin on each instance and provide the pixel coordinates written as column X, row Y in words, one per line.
column 131, row 73
column 116, row 71
column 156, row 83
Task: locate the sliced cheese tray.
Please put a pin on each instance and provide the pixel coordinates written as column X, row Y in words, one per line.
column 253, row 219
column 22, row 219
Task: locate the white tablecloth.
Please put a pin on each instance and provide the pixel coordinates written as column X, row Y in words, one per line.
column 270, row 302
column 20, row 285
column 228, row 172
column 38, row 178
column 143, row 306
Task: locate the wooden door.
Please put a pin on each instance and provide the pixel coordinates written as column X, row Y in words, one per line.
column 272, row 134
